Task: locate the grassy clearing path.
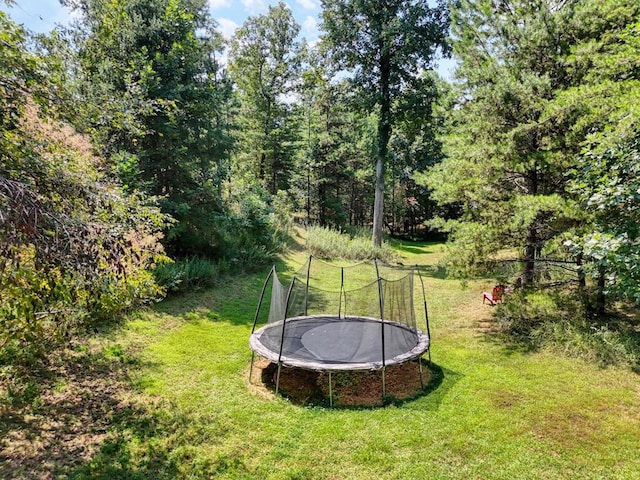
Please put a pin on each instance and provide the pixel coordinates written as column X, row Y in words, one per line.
column 496, row 413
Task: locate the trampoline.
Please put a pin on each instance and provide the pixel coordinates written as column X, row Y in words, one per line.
column 340, row 318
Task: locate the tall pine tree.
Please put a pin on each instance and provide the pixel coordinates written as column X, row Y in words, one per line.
column 384, row 44
column 153, row 94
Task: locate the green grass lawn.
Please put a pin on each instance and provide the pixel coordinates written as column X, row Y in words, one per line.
column 184, row 408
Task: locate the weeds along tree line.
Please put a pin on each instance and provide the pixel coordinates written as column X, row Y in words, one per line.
column 127, row 144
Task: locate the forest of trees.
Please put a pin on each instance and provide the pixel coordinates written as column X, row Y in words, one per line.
column 127, row 144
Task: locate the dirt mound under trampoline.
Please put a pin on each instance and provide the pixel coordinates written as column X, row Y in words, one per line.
column 349, row 388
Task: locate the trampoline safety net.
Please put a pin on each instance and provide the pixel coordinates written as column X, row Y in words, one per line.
column 331, row 317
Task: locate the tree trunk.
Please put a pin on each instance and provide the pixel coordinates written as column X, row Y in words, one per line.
column 531, row 244
column 263, row 154
column 529, row 257
column 308, row 206
column 393, row 205
column 384, row 133
column 263, row 159
column 308, row 193
column 600, row 295
column 582, row 286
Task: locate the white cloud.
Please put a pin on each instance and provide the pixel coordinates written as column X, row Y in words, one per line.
column 308, row 4
column 310, row 28
column 254, row 6
column 310, row 23
column 214, row 4
column 227, row 27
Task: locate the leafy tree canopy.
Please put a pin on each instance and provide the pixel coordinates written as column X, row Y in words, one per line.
column 74, row 246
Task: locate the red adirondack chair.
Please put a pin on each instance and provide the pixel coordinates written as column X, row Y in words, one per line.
column 495, row 296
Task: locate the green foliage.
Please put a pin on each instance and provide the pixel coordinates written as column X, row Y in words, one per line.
column 187, row 274
column 265, row 63
column 155, row 99
column 166, row 396
column 558, row 322
column 333, row 177
column 75, row 248
column 324, row 242
column 523, row 313
column 500, row 167
column 608, row 186
column 282, row 217
column 414, row 146
column 384, row 46
column 605, row 177
column 597, row 344
column 407, row 34
column 536, row 88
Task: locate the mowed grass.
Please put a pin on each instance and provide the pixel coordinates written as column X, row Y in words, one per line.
column 491, row 413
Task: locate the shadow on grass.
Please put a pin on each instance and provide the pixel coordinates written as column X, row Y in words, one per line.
column 416, row 247
column 509, row 344
column 441, row 382
column 610, row 341
column 434, row 392
column 159, row 442
column 433, row 271
column 78, row 417
column 418, row 250
column 57, row 414
column 233, row 301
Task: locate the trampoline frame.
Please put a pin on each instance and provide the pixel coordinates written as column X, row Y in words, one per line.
column 258, row 347
column 423, row 345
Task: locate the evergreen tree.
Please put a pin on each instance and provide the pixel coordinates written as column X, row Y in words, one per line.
column 265, row 64
column 384, row 45
column 603, row 109
column 531, row 92
column 334, row 174
column 415, row 146
column 501, row 167
column 156, row 100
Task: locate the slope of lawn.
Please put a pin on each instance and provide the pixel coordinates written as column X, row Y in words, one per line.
column 184, row 408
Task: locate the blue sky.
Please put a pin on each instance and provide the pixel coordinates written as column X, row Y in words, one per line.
column 43, row 15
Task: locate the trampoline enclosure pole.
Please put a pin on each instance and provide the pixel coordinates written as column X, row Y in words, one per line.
column 341, row 291
column 253, row 358
column 306, row 293
column 426, row 313
column 284, row 326
column 255, row 318
column 264, row 288
column 381, row 302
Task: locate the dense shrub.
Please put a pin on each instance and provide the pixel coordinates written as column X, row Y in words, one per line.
column 282, row 216
column 187, row 274
column 75, row 248
column 325, row 242
column 254, row 230
column 558, row 322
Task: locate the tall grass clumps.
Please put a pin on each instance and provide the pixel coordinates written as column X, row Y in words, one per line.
column 186, row 274
column 327, row 243
column 558, row 322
